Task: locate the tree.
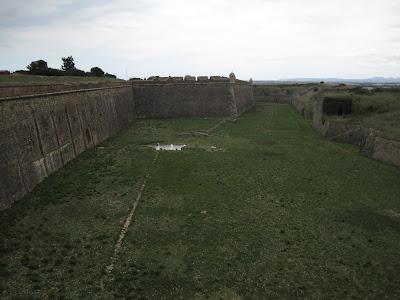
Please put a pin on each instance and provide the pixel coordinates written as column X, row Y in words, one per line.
column 68, row 63
column 37, row 66
column 110, row 75
column 75, row 72
column 96, row 71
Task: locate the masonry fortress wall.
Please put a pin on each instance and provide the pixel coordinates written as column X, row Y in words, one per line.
column 41, row 133
column 166, row 100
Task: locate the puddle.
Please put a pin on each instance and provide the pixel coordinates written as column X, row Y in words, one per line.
column 168, row 147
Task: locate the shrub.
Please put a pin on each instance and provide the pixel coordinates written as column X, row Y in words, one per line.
column 53, row 72
column 74, row 72
column 110, row 75
column 37, row 66
column 96, row 71
column 68, row 63
column 22, row 72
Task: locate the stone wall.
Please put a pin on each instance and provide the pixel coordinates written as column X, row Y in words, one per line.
column 40, row 134
column 382, row 149
column 244, row 97
column 171, row 100
column 15, row 90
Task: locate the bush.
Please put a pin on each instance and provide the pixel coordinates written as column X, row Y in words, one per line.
column 53, row 72
column 40, row 67
column 96, row 71
column 68, row 63
column 37, row 66
column 74, row 72
column 110, row 75
column 24, row 72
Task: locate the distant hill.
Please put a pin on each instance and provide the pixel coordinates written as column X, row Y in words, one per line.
column 367, row 81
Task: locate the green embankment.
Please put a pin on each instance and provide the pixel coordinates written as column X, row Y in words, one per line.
column 379, row 110
column 274, row 212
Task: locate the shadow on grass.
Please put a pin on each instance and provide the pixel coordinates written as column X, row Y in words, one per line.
column 372, row 220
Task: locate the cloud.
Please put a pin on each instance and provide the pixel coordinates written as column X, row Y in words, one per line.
column 257, row 38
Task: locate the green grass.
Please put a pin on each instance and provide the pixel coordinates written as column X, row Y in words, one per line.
column 269, row 90
column 379, row 110
column 36, row 79
column 274, row 212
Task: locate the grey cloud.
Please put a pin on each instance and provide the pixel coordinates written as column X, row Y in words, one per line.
column 394, row 59
column 8, row 12
column 280, row 36
column 42, row 12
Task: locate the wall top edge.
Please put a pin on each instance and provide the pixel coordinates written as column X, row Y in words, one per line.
column 62, row 93
column 144, row 83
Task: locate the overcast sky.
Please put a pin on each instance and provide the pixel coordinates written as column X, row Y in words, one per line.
column 262, row 39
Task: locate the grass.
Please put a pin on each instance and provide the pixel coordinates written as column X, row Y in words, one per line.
column 36, row 79
column 289, row 89
column 379, row 110
column 274, row 212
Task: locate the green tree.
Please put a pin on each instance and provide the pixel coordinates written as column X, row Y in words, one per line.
column 68, row 63
column 37, row 66
column 96, row 71
column 110, row 75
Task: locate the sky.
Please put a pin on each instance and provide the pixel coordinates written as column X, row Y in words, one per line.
column 259, row 39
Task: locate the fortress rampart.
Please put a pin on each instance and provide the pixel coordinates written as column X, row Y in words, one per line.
column 40, row 134
column 43, row 127
column 15, row 90
column 169, row 100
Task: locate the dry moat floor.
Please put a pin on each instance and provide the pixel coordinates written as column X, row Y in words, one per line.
column 274, row 212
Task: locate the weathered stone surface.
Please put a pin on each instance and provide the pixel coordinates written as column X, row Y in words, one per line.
column 218, row 78
column 194, row 99
column 202, row 78
column 387, row 150
column 190, row 78
column 15, row 90
column 39, row 135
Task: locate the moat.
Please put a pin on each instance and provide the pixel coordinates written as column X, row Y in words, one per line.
column 281, row 212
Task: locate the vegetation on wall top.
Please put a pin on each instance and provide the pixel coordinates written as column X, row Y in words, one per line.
column 68, row 68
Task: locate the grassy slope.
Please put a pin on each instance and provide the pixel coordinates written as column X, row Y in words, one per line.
column 380, row 111
column 278, row 213
column 267, row 90
column 35, row 79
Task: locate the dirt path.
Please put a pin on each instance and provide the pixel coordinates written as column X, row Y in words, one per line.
column 129, row 218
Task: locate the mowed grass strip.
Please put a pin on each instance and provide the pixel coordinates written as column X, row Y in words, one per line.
column 274, row 211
